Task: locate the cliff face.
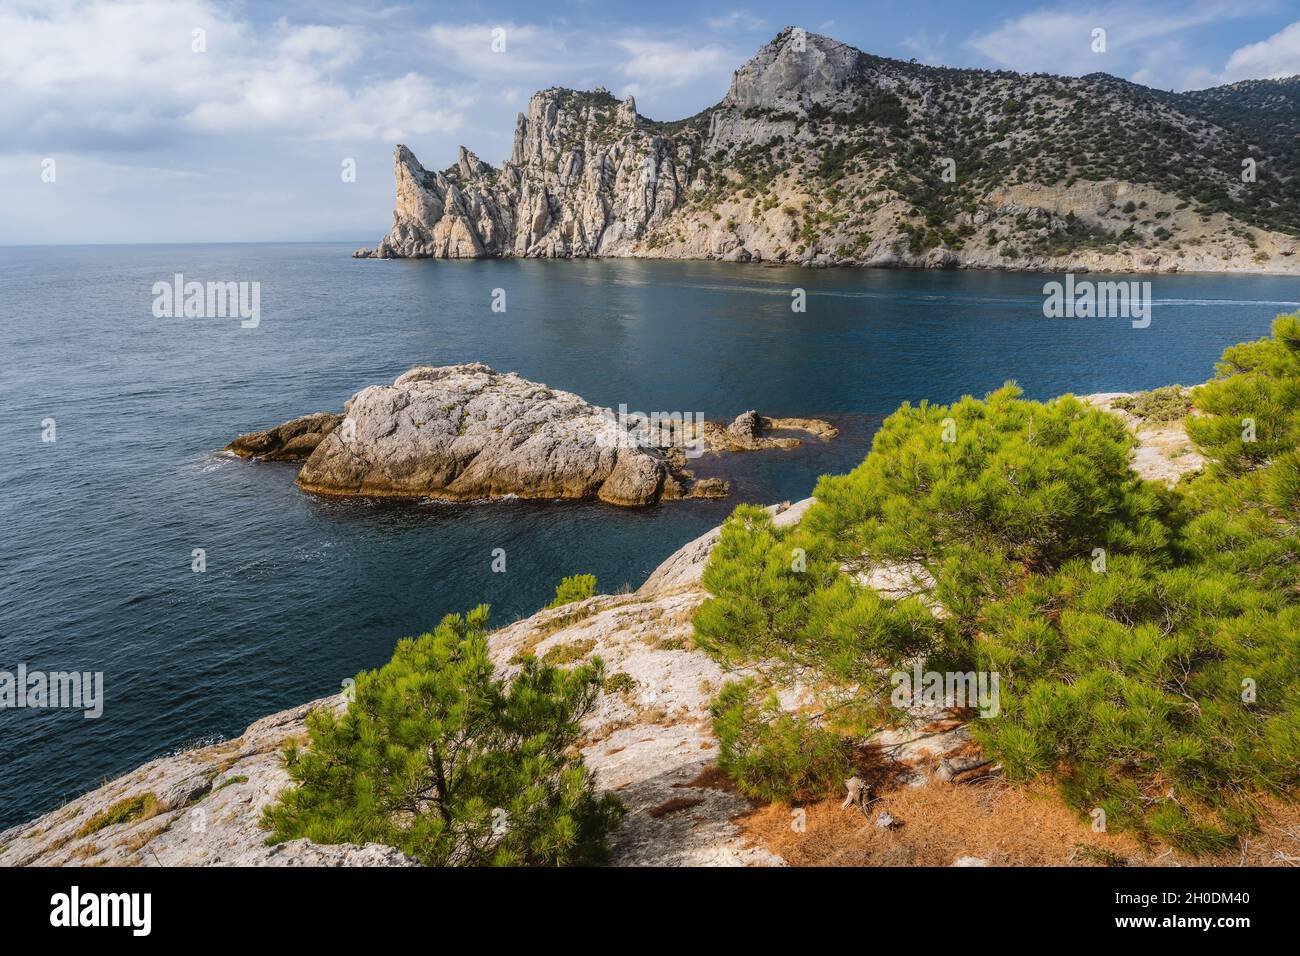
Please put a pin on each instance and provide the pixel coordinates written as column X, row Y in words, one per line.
column 821, row 154
column 587, row 176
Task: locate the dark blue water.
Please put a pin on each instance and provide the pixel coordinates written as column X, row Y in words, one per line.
column 98, row 528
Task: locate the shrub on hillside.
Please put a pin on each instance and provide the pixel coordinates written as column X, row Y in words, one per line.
column 1145, row 639
column 1252, row 413
column 1168, row 404
column 774, row 755
column 450, row 764
column 575, row 587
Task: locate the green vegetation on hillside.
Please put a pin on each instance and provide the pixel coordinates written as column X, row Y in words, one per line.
column 1168, row 404
column 1147, row 640
column 992, row 130
column 575, row 587
column 450, row 764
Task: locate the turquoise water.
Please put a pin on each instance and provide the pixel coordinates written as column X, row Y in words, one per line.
column 98, row 527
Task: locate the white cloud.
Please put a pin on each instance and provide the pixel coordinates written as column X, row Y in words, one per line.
column 1270, row 59
column 126, row 71
column 332, row 47
column 553, row 55
column 735, row 20
column 672, row 64
column 1059, row 40
column 528, row 50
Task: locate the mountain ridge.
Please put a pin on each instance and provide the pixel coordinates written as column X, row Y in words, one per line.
column 821, row 154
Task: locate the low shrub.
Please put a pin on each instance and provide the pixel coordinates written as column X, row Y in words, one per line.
column 775, row 755
column 440, row 758
column 576, row 587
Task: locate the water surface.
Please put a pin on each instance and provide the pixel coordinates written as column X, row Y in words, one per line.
column 99, row 527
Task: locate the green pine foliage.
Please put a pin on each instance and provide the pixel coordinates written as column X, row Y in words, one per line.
column 1147, row 640
column 575, row 587
column 450, row 764
column 775, row 755
column 1034, row 483
column 1170, row 403
column 765, row 608
column 1126, row 687
column 1253, row 413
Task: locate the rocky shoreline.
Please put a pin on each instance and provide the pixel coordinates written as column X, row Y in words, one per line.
column 467, row 433
column 650, row 739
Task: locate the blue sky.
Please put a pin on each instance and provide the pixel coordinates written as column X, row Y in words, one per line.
column 153, row 141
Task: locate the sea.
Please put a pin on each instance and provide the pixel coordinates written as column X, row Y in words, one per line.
column 114, row 419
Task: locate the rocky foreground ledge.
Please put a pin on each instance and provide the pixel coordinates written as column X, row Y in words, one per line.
column 651, row 740
column 467, row 432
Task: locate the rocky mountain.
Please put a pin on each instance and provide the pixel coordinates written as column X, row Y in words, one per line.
column 821, row 154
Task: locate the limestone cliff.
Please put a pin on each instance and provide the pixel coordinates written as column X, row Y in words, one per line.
column 588, row 176
column 821, row 154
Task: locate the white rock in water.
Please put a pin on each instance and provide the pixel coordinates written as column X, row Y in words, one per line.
column 466, row 432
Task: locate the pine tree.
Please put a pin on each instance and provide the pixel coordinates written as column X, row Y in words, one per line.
column 442, row 759
column 575, row 587
column 1252, row 413
column 1146, row 639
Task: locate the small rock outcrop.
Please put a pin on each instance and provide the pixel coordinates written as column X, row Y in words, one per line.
column 467, row 432
column 295, row 440
column 747, row 428
column 751, row 431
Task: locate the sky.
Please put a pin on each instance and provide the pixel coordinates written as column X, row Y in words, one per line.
column 136, row 121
